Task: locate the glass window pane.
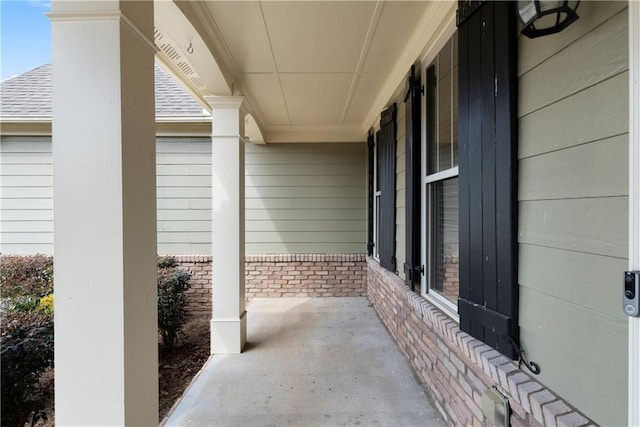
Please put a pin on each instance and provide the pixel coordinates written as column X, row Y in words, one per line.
column 442, row 109
column 444, row 135
column 432, row 119
column 444, row 238
column 454, row 99
column 378, row 157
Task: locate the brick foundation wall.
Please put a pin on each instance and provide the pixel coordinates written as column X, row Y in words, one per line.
column 199, row 294
column 306, row 275
column 455, row 368
column 282, row 275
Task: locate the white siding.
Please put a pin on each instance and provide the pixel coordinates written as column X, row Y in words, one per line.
column 26, row 195
column 573, row 208
column 305, row 198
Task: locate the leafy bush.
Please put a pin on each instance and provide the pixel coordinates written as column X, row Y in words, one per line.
column 172, row 301
column 26, row 319
column 26, row 277
column 26, row 313
column 27, row 351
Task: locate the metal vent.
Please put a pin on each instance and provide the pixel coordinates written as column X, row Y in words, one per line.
column 173, row 52
column 170, row 51
column 186, row 68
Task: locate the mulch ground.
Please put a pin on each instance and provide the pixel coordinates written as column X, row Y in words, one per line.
column 180, row 364
column 177, row 367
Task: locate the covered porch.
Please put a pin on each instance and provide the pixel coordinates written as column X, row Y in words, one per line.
column 272, row 72
column 316, row 361
column 324, row 73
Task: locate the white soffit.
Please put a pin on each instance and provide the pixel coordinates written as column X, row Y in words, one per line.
column 316, row 98
column 317, row 36
column 313, row 70
column 267, row 92
column 184, row 52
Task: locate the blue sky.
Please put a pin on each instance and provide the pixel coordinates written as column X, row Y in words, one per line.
column 25, row 36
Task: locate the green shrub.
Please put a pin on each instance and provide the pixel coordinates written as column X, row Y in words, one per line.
column 26, row 277
column 172, row 301
column 26, row 319
column 27, row 351
column 26, row 336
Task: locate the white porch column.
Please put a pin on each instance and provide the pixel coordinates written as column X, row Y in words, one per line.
column 106, row 366
column 229, row 323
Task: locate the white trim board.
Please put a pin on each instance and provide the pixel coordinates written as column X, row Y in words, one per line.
column 634, row 203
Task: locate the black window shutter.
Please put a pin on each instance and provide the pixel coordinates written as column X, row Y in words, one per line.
column 413, row 186
column 370, row 191
column 386, row 146
column 488, row 302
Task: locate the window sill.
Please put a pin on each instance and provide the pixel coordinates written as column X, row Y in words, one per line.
column 445, row 306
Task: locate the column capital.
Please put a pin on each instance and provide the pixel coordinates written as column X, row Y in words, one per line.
column 226, row 102
column 134, row 16
column 227, row 115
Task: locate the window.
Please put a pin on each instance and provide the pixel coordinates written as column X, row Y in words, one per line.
column 441, row 178
column 382, row 191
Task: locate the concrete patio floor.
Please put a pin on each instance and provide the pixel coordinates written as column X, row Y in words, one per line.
column 308, row 362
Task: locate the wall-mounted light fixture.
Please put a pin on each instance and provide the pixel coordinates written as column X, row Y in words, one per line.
column 542, row 17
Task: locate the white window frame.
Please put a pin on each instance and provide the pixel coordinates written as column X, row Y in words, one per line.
column 376, row 219
column 377, row 194
column 634, row 204
column 439, row 301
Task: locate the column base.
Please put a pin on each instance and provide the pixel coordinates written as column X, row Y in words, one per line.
column 228, row 335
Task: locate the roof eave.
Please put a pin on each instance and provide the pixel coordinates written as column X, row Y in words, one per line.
column 165, row 126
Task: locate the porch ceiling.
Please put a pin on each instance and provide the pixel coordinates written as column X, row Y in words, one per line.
column 310, row 70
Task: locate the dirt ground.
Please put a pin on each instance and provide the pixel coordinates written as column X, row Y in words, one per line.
column 179, row 365
column 176, row 367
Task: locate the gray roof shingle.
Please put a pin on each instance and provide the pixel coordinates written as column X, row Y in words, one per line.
column 29, row 94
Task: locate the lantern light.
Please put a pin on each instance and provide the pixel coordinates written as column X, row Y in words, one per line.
column 543, row 17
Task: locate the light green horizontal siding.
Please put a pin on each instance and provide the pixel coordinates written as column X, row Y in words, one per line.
column 573, row 208
column 299, row 180
column 275, row 214
column 186, row 248
column 538, row 50
column 183, row 167
column 26, row 195
column 301, row 226
column 596, row 169
column 582, row 279
column 596, row 121
column 305, row 198
column 182, row 237
column 600, row 228
column 353, row 171
column 319, row 192
column 594, row 57
column 305, row 203
column 184, row 195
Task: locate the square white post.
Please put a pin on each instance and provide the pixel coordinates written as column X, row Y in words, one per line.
column 106, row 348
column 228, row 323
